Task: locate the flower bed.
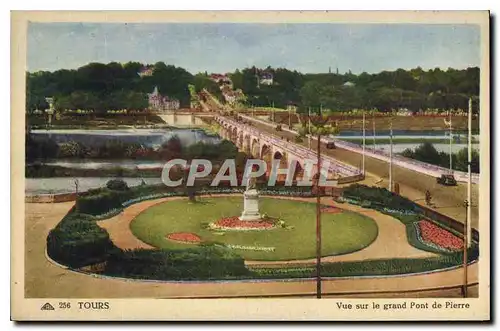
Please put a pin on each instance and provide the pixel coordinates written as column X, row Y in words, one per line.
column 184, row 237
column 234, row 223
column 435, row 235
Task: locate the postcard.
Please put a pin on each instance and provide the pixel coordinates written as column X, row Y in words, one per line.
column 196, row 166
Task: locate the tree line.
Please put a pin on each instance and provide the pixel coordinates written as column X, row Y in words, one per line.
column 45, row 149
column 414, row 89
column 427, row 153
column 111, row 86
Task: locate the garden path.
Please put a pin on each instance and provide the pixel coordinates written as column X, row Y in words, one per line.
column 43, row 279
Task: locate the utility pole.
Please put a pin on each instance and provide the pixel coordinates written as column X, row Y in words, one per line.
column 373, row 122
column 290, row 117
column 465, row 257
column 451, row 142
column 318, row 224
column 390, row 158
column 309, row 117
column 469, row 182
column 364, row 137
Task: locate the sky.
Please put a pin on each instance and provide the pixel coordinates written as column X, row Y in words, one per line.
column 223, row 47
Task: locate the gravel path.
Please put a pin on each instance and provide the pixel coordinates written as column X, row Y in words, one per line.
column 44, row 279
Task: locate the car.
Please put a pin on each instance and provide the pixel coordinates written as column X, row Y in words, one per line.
column 447, row 180
column 330, row 145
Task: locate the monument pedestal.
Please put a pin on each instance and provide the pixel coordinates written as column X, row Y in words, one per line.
column 250, row 206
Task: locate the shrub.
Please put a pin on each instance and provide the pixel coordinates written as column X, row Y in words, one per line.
column 370, row 267
column 77, row 241
column 378, row 197
column 204, row 262
column 100, row 203
column 117, row 185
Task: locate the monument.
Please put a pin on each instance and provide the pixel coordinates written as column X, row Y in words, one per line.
column 251, row 202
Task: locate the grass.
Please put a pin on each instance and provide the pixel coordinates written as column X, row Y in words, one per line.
column 342, row 233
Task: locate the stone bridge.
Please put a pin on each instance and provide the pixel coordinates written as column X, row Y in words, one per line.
column 268, row 147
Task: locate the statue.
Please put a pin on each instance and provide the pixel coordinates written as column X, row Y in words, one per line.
column 251, row 184
column 251, row 202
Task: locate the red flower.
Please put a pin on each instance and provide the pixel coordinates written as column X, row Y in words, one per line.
column 184, row 237
column 235, row 222
column 432, row 233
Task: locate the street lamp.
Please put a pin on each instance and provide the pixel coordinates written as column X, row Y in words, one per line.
column 465, row 258
column 321, row 129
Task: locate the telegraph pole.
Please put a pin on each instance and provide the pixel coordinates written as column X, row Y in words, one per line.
column 469, row 182
column 390, row 158
column 374, row 142
column 465, row 257
column 309, row 117
column 451, row 142
column 364, row 137
column 318, row 224
column 290, row 118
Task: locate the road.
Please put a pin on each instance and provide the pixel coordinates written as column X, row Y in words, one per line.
column 447, row 200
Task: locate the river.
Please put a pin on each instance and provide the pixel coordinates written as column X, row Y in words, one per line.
column 147, row 137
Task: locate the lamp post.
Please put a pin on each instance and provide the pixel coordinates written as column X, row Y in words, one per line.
column 469, row 177
column 321, row 130
column 364, row 137
column 451, row 143
column 309, row 125
column 373, row 122
column 390, row 157
column 465, row 258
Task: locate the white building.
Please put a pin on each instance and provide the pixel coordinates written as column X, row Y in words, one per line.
column 159, row 102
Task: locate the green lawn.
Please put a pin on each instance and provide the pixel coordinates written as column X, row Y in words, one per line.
column 342, row 233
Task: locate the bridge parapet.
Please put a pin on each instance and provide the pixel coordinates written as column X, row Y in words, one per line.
column 300, row 152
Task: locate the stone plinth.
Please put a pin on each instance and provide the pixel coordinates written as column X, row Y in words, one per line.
column 250, row 206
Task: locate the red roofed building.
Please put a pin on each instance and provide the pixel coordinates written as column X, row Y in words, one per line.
column 146, row 71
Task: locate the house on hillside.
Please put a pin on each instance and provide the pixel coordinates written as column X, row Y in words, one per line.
column 266, row 78
column 220, row 78
column 158, row 102
column 349, row 84
column 146, row 71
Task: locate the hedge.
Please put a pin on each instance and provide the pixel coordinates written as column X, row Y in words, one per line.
column 370, row 267
column 77, row 241
column 205, row 262
column 378, row 197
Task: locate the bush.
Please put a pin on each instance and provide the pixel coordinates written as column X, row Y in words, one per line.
column 371, row 267
column 77, row 241
column 378, row 197
column 205, row 262
column 117, row 185
column 100, row 203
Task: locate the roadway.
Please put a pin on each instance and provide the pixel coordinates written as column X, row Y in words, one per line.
column 446, row 200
